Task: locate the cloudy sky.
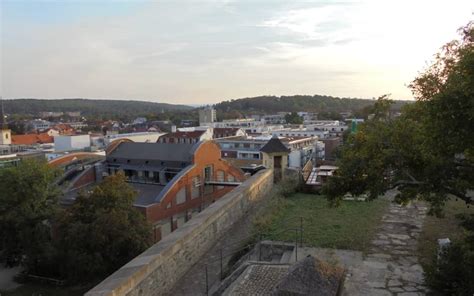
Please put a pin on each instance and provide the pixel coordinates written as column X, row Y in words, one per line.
column 207, row 51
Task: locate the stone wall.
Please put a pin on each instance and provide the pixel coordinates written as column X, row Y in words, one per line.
column 156, row 270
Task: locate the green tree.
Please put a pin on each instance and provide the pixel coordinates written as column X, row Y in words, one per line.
column 428, row 152
column 102, row 231
column 28, row 202
column 293, row 118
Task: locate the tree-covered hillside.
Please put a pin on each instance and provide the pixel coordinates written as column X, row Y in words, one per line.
column 316, row 103
column 98, row 108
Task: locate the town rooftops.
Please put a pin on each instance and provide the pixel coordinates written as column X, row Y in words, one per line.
column 32, row 139
column 154, row 151
column 274, row 145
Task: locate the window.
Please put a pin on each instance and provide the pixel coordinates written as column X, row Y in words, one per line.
column 220, row 178
column 230, row 178
column 195, row 187
column 181, row 196
column 208, row 173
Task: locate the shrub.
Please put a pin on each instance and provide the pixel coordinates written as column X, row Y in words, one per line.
column 288, row 186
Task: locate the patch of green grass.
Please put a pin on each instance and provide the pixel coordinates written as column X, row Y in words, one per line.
column 435, row 228
column 351, row 225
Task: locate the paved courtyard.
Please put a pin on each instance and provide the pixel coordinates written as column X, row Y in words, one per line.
column 391, row 266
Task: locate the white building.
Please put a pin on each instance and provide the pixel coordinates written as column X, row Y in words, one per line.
column 334, row 127
column 145, row 137
column 39, row 124
column 300, row 132
column 308, row 116
column 139, row 120
column 278, row 118
column 207, row 116
column 71, row 143
column 243, row 123
column 77, row 125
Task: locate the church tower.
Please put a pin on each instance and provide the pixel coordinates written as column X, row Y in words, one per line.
column 5, row 133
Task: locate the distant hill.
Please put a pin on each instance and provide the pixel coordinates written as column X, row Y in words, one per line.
column 316, row 103
column 89, row 107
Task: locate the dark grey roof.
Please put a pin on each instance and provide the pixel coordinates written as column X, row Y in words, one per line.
column 147, row 193
column 274, row 145
column 154, row 151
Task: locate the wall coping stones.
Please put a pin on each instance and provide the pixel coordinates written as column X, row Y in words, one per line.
column 132, row 274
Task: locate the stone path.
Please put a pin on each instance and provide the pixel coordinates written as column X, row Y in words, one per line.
column 391, row 266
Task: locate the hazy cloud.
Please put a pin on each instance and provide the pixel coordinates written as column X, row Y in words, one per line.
column 205, row 51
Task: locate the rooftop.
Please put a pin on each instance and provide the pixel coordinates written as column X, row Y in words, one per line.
column 32, row 139
column 154, row 151
column 147, row 193
column 274, row 145
column 179, row 134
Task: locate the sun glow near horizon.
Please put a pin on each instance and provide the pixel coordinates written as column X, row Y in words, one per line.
column 207, row 51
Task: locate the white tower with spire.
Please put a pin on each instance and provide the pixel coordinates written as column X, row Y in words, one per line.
column 5, row 132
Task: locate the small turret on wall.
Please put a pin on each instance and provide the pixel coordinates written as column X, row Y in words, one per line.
column 275, row 156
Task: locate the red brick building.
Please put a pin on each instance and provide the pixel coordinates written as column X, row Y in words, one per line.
column 173, row 181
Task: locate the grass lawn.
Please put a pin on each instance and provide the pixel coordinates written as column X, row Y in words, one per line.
column 435, row 228
column 352, row 225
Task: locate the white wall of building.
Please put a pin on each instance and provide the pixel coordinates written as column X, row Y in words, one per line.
column 71, row 143
column 294, row 159
column 135, row 137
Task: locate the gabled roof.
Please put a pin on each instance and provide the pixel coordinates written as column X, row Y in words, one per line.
column 31, row 139
column 274, row 145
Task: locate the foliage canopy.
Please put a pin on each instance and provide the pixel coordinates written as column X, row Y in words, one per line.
column 102, row 231
column 428, row 151
column 28, row 201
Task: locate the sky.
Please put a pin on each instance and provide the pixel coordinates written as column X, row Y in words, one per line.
column 197, row 52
